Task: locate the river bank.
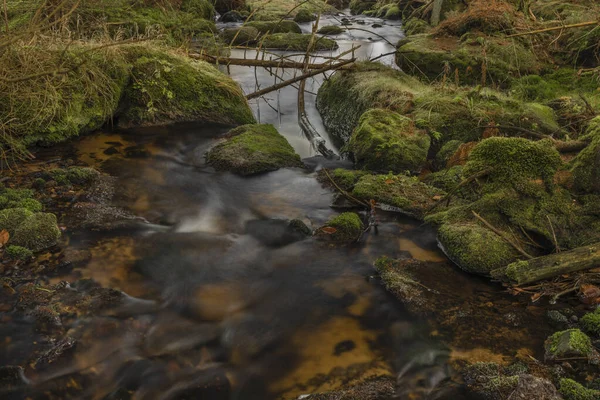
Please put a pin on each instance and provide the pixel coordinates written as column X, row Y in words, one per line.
column 200, row 282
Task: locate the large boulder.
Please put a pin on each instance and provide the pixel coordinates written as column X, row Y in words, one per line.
column 253, row 149
column 387, row 141
column 344, row 228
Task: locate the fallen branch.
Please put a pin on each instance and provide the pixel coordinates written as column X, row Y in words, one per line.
column 343, row 192
column 299, row 78
column 257, row 63
column 503, row 236
column 557, row 28
column 550, row 266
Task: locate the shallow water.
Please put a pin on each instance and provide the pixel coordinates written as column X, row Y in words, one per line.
column 228, row 305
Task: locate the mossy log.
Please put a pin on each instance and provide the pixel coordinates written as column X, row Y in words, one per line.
column 546, row 267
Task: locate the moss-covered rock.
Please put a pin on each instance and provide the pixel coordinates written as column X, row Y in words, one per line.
column 445, row 152
column 590, row 322
column 37, row 232
column 242, row 36
column 360, row 6
column 572, row 390
column 344, row 178
column 19, row 198
column 330, row 30
column 387, row 141
column 569, row 343
column 304, row 16
column 253, row 149
column 279, row 26
column 406, row 194
column 11, row 218
column 586, row 166
column 447, row 179
column 73, row 175
column 488, row 61
column 415, row 26
column 222, row 6
column 167, row 88
column 475, row 248
column 515, row 162
column 298, row 42
column 19, row 253
column 344, row 228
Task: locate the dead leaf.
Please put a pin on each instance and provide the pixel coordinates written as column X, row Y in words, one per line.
column 389, row 181
column 589, row 294
column 535, row 297
column 436, row 197
column 4, row 236
column 329, row 230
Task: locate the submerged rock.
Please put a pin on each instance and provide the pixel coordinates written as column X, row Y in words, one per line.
column 253, row 149
column 277, row 232
column 387, row 141
column 344, row 228
column 231, row 16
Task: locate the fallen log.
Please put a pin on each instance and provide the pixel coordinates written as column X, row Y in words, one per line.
column 299, row 78
column 550, row 266
column 247, row 62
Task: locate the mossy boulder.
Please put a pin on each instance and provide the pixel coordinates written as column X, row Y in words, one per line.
column 242, row 36
column 37, row 232
column 387, row 141
column 73, row 175
column 344, row 178
column 569, row 343
column 222, row 6
column 586, row 166
column 447, row 179
column 18, row 253
column 479, row 61
column 19, row 198
column 474, row 248
column 253, row 149
column 515, row 162
column 572, row 390
column 445, row 152
column 344, row 228
column 298, row 42
column 360, row 6
column 303, row 16
column 590, row 322
column 166, row 88
column 415, row 26
column 11, row 218
column 280, row 26
column 389, row 11
column 405, row 194
column 330, row 30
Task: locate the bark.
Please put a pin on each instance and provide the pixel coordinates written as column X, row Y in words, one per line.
column 436, row 12
column 258, row 63
column 550, row 266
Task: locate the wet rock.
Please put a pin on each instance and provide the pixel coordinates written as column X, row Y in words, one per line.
column 54, row 354
column 276, row 233
column 278, row 26
column 344, row 228
column 566, row 344
column 297, row 42
column 99, row 217
column 343, row 347
column 46, row 319
column 75, row 257
column 304, row 16
column 557, row 319
column 11, row 376
column 253, row 149
column 330, row 30
column 376, row 26
column 243, row 36
column 387, row 141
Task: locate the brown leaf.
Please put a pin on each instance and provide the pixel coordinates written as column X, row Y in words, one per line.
column 329, row 229
column 535, row 297
column 436, row 197
column 389, row 181
column 589, row 294
column 4, row 236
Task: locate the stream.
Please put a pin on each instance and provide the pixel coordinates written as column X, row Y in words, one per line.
column 226, row 303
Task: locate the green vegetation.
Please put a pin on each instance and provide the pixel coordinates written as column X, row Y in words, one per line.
column 297, row 42
column 73, row 175
column 19, row 253
column 280, row 26
column 586, row 166
column 330, row 30
column 304, row 16
column 415, row 26
column 387, row 141
column 590, row 322
column 11, row 218
column 347, row 228
column 37, row 232
column 572, row 390
column 253, row 149
column 569, row 343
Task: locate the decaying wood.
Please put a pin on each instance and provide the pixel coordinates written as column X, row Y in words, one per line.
column 300, row 78
column 278, row 63
column 550, row 266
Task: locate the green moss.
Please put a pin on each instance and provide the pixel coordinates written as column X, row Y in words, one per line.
column 19, row 198
column 37, row 232
column 393, row 13
column 11, row 218
column 447, row 179
column 298, row 42
column 360, row 6
column 243, row 36
column 19, row 253
column 280, row 26
column 30, row 204
column 445, row 152
column 344, row 178
column 474, row 248
column 514, row 162
column 586, row 166
column 569, row 343
column 73, row 175
column 167, row 88
column 304, row 16
column 409, row 195
column 387, row 141
column 253, row 149
column 572, row 390
column 348, row 228
column 591, row 322
column 415, row 26
column 330, row 30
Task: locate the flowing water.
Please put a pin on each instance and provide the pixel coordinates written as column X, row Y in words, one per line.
column 228, row 304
